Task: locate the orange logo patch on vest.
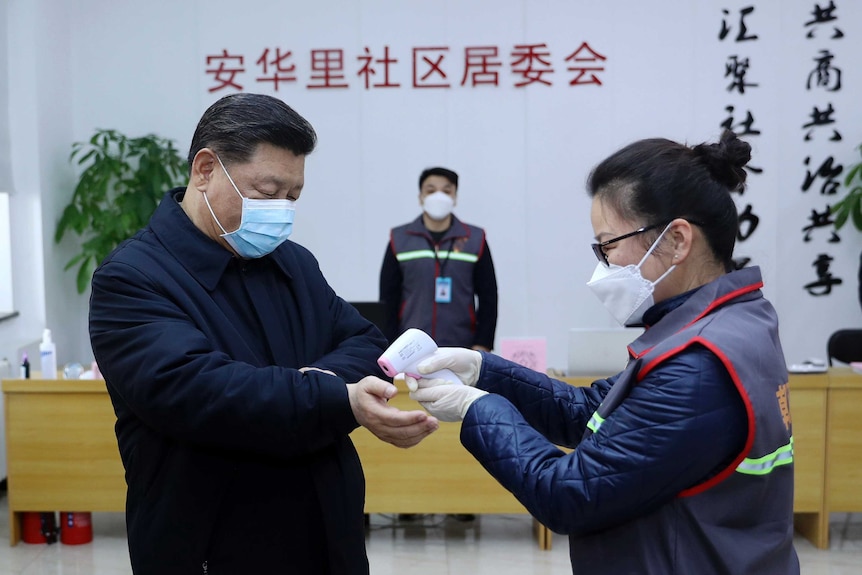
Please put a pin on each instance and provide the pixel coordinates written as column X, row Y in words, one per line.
column 784, row 405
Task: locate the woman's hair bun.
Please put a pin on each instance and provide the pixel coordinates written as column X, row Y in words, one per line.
column 726, row 159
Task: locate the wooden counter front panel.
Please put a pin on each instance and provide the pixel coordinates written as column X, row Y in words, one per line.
column 62, row 453
column 844, row 471
column 808, row 408
column 436, row 476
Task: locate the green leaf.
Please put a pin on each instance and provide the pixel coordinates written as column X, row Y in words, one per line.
column 852, row 174
column 856, row 208
column 85, row 273
column 850, row 206
column 120, row 183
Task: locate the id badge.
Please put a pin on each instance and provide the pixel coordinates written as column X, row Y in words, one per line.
column 443, row 290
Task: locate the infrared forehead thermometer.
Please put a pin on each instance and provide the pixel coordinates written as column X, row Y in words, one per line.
column 405, row 354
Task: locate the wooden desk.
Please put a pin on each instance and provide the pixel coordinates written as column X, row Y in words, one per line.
column 844, row 442
column 62, row 455
column 61, row 450
column 436, row 476
column 809, row 408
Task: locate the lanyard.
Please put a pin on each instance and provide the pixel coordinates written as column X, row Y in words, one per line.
column 435, row 248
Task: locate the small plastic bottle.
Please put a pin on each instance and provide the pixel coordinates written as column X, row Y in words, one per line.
column 5, row 368
column 48, row 354
column 25, row 367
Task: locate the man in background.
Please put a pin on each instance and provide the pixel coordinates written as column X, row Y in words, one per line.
column 437, row 273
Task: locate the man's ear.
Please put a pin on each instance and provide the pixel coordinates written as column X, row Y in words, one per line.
column 203, row 166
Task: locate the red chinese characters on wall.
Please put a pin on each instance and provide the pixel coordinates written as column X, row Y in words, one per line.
column 434, row 67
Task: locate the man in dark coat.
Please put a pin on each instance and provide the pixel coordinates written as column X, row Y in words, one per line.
column 235, row 371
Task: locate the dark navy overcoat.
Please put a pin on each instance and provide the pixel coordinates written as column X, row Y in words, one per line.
column 236, row 462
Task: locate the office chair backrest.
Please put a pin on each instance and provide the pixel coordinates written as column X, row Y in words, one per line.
column 845, row 345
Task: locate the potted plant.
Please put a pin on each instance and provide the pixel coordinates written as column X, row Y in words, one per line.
column 849, row 208
column 122, row 181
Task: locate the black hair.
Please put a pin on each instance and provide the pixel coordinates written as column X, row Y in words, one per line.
column 236, row 124
column 446, row 173
column 654, row 181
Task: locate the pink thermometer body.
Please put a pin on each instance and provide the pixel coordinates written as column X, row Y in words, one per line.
column 407, row 352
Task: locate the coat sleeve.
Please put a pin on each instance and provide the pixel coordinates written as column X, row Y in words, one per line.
column 391, row 281
column 555, row 409
column 679, row 426
column 354, row 336
column 165, row 374
column 485, row 284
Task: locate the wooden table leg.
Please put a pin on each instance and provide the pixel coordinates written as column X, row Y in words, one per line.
column 14, row 528
column 543, row 535
column 814, row 527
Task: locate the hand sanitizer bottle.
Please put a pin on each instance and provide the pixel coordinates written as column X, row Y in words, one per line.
column 48, row 354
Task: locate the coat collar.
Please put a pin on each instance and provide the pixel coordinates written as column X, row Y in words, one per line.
column 199, row 254
column 740, row 285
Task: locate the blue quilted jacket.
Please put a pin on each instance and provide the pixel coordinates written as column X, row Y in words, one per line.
column 616, row 492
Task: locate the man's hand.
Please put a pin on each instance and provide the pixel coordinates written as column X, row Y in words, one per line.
column 368, row 400
column 445, row 401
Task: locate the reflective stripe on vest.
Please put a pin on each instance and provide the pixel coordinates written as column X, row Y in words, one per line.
column 595, row 422
column 750, row 466
column 763, row 465
column 420, row 254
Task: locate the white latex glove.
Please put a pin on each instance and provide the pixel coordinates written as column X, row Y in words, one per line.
column 445, row 401
column 465, row 363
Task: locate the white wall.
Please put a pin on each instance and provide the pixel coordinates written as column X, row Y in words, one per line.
column 523, row 153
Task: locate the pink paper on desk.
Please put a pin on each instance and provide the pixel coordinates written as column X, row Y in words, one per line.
column 856, row 366
column 529, row 352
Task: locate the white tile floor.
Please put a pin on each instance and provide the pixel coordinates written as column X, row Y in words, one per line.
column 432, row 544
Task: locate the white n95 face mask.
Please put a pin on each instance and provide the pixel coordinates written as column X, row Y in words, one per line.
column 264, row 224
column 438, row 205
column 624, row 291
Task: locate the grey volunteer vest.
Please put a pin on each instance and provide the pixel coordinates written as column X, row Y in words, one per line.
column 455, row 257
column 741, row 520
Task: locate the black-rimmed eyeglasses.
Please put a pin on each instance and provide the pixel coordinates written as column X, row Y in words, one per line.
column 598, row 248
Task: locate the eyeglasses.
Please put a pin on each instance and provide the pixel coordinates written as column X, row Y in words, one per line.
column 598, row 248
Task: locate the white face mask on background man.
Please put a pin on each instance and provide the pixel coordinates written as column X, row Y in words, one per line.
column 264, row 224
column 623, row 290
column 438, row 205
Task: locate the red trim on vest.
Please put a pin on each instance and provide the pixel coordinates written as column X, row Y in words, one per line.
column 720, row 301
column 749, row 410
column 482, row 247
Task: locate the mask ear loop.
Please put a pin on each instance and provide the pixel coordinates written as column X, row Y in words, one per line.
column 650, row 251
column 236, row 189
column 218, row 223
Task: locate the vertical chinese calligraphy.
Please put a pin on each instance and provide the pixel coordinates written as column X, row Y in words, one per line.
column 820, row 135
column 739, row 71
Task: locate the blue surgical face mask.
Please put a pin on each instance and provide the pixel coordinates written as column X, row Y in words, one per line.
column 264, row 224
